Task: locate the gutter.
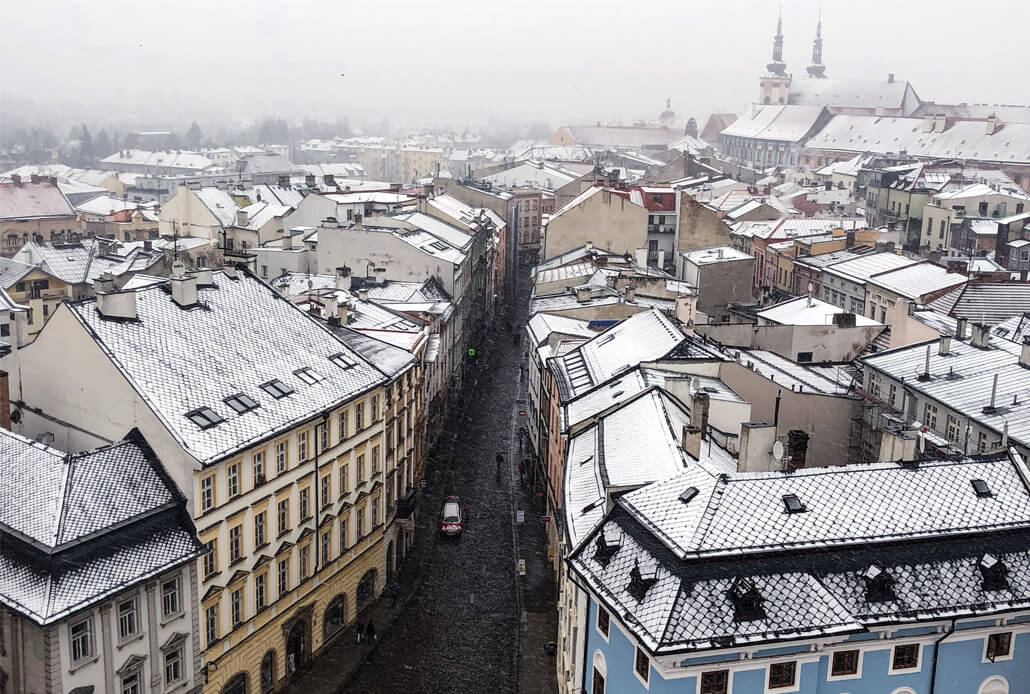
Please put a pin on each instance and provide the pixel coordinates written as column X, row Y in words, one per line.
column 936, row 651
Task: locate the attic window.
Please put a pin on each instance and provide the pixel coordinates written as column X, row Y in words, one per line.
column 688, row 494
column 342, row 360
column 438, row 246
column 638, row 585
column 747, row 601
column 879, row 586
column 241, row 402
column 995, row 573
column 981, row 489
column 276, row 388
column 604, row 551
column 309, row 375
column 792, row 504
column 205, row 417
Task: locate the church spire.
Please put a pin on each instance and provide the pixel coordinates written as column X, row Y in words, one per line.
column 817, row 69
column 777, row 66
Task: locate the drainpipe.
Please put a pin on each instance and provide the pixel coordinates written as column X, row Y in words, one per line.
column 317, row 542
column 776, row 411
column 936, row 650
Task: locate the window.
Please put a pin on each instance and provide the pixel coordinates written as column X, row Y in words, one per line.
column 361, row 523
column 323, row 439
column 236, row 604
column 375, row 460
column 804, row 357
column 327, row 538
column 205, row 417
column 259, row 468
column 128, row 619
column 603, row 621
column 326, row 490
column 276, row 388
column 361, row 469
column 170, row 603
column 905, row 657
column 210, row 559
column 173, row 666
column 344, row 477
column 284, row 576
column 715, row 682
column 280, row 457
column 302, row 446
column 305, row 511
column 305, row 551
column 375, row 512
column 342, row 360
column 844, row 663
column 930, row 416
column 283, row 513
column 359, row 416
column 999, row 646
column 343, row 424
column 374, row 408
column 598, row 682
column 211, row 623
column 981, row 441
column 892, row 393
column 81, row 634
column 235, row 543
column 232, row 474
column 259, row 591
column 207, row 493
column 308, row 375
column 642, row 665
column 782, row 675
column 130, row 683
column 953, row 429
column 241, row 402
column 343, row 535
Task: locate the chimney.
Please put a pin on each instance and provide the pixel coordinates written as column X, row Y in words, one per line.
column 287, row 240
column 284, row 181
column 631, row 293
column 329, row 180
column 184, row 290
column 343, row 277
column 104, row 284
column 944, row 347
column 898, row 445
column 363, row 294
column 5, row 400
column 981, row 335
column 330, row 223
column 890, row 78
column 686, row 310
column 700, row 404
column 148, row 245
column 310, row 181
column 927, row 124
column 241, row 218
column 960, row 328
column 679, row 386
column 994, row 395
column 1024, row 356
column 582, row 294
column 589, row 246
column 939, row 122
column 230, row 271
column 991, row 124
column 117, row 305
column 380, row 275
column 641, row 257
column 205, row 277
column 756, row 445
column 691, row 441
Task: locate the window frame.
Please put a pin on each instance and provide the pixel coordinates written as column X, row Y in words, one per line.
column 277, row 388
column 235, row 543
column 257, row 467
column 232, row 480
column 261, row 528
column 236, row 608
column 166, row 614
column 830, row 676
column 212, row 626
column 282, row 516
column 132, row 616
column 204, row 417
column 260, row 591
column 987, row 647
column 208, row 495
column 640, row 655
column 241, row 403
column 172, row 655
column 894, row 658
column 793, row 685
column 90, row 653
column 701, row 681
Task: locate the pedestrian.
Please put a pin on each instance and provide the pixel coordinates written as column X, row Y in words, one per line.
column 360, row 631
column 468, row 513
column 522, row 472
column 370, row 632
column 394, row 590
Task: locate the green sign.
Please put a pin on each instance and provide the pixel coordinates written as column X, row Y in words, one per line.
column 472, row 352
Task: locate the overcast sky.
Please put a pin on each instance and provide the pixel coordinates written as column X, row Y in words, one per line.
column 471, row 60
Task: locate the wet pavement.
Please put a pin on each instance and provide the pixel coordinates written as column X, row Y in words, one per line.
column 464, row 620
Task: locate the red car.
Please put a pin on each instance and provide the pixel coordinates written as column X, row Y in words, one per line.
column 450, row 518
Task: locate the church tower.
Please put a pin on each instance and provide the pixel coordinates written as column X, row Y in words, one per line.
column 817, row 69
column 776, row 82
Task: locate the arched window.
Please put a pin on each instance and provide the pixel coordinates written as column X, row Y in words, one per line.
column 995, row 685
column 366, row 589
column 600, row 674
column 765, row 100
column 903, row 690
column 237, row 684
column 268, row 664
column 335, row 616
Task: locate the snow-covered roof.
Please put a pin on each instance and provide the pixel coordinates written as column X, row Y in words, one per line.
column 169, row 160
column 715, row 254
column 28, row 200
column 917, row 280
column 806, row 310
column 991, row 303
column 785, row 123
column 863, row 267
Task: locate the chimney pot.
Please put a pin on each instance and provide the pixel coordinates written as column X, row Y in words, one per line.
column 691, row 441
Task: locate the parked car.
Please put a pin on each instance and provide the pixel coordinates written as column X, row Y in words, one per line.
column 450, row 518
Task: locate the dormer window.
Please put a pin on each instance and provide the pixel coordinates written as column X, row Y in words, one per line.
column 638, row 584
column 276, row 388
column 879, row 586
column 995, row 573
column 309, row 375
column 982, row 490
column 747, row 601
column 342, row 360
column 205, row 417
column 604, row 551
column 241, row 402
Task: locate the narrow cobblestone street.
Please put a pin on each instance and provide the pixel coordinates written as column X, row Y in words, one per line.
column 461, row 622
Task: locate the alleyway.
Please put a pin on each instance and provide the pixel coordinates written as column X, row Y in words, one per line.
column 460, row 623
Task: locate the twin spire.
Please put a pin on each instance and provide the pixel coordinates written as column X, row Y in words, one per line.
column 778, row 67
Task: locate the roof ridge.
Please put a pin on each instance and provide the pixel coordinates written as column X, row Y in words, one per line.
column 712, row 505
column 66, row 485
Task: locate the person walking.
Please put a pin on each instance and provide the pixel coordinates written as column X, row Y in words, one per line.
column 359, row 629
column 394, row 590
column 370, row 632
column 522, row 472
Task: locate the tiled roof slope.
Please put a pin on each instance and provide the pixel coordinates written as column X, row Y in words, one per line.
column 33, row 201
column 183, row 359
column 988, row 302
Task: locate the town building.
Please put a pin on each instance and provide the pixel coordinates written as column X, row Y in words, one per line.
column 722, row 275
column 98, row 554
column 34, row 209
column 918, row 283
column 159, row 163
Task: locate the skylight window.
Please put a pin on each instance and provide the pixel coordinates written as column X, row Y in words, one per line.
column 342, row 360
column 309, row 375
column 276, row 388
column 688, row 494
column 241, row 402
column 981, row 489
column 205, row 417
column 438, row 246
column 792, row 504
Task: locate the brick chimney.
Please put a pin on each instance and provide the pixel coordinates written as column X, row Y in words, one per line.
column 5, row 400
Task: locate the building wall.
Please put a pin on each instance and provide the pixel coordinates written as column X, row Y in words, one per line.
column 699, row 227
column 607, row 220
column 15, row 232
column 186, row 215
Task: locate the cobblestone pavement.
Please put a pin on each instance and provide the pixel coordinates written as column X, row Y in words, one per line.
column 464, row 620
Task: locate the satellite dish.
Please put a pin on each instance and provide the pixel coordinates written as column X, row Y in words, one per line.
column 178, row 268
column 310, row 284
column 778, row 450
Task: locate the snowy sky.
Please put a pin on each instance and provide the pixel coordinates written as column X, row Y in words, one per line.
column 471, row 60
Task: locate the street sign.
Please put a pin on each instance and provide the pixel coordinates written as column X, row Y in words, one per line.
column 522, row 413
column 472, row 352
column 522, row 567
column 520, row 517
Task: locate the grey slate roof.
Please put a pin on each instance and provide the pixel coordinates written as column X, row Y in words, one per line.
column 77, row 527
column 182, row 359
column 987, row 302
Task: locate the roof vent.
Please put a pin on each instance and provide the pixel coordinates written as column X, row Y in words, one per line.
column 605, row 551
column 879, row 586
column 638, row 585
column 688, row 494
column 981, row 335
column 792, row 504
column 117, row 305
column 981, row 489
column 994, row 571
column 747, row 601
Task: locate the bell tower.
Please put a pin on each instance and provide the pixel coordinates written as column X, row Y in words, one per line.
column 776, row 82
column 817, row 69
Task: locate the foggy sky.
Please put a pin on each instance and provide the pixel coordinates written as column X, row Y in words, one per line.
column 458, row 61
